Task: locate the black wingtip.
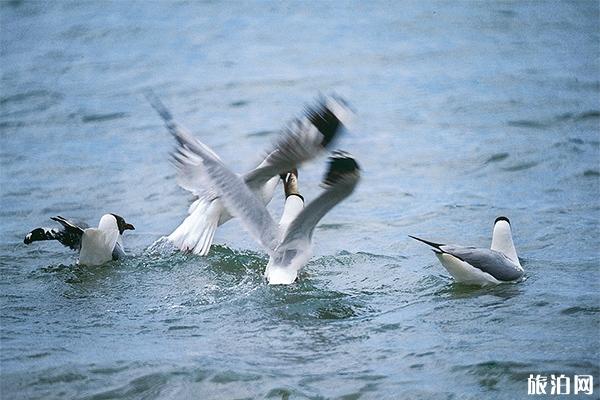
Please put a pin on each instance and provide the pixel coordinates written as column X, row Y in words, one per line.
column 501, row 218
column 427, row 242
column 341, row 165
column 28, row 238
column 327, row 116
column 38, row 234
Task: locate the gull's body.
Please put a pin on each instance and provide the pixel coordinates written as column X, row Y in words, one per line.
column 197, row 231
column 480, row 266
column 96, row 246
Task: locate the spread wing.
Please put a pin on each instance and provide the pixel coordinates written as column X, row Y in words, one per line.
column 71, row 233
column 339, row 182
column 191, row 175
column 234, row 193
column 302, row 140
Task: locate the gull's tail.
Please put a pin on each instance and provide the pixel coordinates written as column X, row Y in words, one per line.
column 196, row 232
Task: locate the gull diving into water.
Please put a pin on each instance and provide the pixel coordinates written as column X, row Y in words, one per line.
column 289, row 242
column 95, row 245
column 480, row 266
column 304, row 139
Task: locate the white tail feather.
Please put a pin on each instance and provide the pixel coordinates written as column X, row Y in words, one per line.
column 197, row 231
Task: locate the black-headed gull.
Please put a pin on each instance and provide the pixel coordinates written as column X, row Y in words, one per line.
column 95, row 245
column 304, row 139
column 480, row 266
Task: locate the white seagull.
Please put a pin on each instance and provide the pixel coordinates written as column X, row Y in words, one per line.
column 288, row 243
column 96, row 246
column 479, row 266
column 304, row 139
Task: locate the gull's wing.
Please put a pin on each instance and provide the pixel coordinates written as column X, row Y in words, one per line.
column 493, row 262
column 490, row 261
column 191, row 175
column 235, row 195
column 339, row 182
column 302, row 140
column 118, row 251
column 71, row 234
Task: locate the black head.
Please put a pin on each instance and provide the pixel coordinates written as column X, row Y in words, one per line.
column 341, row 165
column 501, row 219
column 122, row 225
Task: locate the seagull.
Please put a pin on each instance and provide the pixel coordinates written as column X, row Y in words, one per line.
column 289, row 242
column 302, row 140
column 96, row 246
column 479, row 266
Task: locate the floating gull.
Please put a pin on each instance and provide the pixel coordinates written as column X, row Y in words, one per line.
column 479, row 266
column 95, row 245
column 302, row 140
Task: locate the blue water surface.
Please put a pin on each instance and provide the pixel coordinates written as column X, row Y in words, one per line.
column 465, row 111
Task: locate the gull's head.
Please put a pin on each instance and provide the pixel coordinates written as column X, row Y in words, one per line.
column 290, row 182
column 342, row 168
column 502, row 226
column 114, row 221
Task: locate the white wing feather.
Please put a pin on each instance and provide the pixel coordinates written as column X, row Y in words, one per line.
column 236, row 196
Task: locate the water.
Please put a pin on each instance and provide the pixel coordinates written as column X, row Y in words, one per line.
column 466, row 111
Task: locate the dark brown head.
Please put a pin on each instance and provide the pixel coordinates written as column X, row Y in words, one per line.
column 290, row 182
column 122, row 225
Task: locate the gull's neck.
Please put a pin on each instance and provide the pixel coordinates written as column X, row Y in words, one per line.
column 502, row 241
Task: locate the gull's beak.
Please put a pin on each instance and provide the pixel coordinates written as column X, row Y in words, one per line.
column 130, row 227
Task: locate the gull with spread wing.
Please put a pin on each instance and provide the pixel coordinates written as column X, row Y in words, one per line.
column 95, row 245
column 288, row 243
column 302, row 140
